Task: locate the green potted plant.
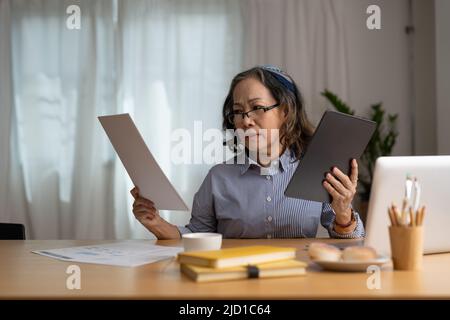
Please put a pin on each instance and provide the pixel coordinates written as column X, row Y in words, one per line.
column 381, row 144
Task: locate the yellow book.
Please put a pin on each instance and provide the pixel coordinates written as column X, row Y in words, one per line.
column 240, row 256
column 283, row 268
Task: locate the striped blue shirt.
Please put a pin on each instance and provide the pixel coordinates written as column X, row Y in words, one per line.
column 247, row 201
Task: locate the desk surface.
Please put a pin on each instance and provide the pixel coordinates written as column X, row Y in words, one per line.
column 27, row 275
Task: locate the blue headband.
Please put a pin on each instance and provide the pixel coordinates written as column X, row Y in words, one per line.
column 280, row 76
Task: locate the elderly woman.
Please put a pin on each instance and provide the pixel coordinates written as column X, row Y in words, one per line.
column 246, row 200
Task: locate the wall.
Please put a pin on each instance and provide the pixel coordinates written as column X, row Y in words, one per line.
column 424, row 77
column 442, row 12
column 409, row 74
column 379, row 69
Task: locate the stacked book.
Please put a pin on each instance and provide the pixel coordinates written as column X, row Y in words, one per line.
column 241, row 263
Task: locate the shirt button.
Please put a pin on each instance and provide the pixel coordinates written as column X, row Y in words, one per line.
column 269, row 236
column 269, row 218
column 269, row 199
column 268, row 177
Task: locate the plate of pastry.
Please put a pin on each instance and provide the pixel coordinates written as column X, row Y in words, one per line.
column 351, row 259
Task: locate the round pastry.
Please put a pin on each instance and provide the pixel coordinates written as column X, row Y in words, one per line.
column 359, row 254
column 323, row 252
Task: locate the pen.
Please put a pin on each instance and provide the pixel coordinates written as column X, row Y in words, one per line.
column 407, row 199
column 408, row 186
column 416, row 194
column 56, row 255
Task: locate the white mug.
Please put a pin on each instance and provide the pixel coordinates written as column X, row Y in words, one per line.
column 202, row 241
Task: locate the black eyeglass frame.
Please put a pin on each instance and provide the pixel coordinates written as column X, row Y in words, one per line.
column 232, row 114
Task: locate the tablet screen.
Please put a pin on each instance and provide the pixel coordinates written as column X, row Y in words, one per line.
column 339, row 137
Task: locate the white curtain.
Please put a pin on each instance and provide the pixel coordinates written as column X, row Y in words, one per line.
column 177, row 63
column 60, row 182
column 304, row 37
column 168, row 63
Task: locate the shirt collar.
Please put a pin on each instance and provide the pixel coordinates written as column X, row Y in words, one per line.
column 282, row 163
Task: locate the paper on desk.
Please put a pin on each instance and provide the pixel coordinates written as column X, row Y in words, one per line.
column 125, row 253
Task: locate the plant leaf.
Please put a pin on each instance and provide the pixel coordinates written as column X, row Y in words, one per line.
column 337, row 103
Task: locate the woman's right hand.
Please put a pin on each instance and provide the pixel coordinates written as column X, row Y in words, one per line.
column 144, row 210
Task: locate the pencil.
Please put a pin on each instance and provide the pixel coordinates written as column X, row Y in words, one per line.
column 422, row 215
column 392, row 217
column 411, row 217
column 397, row 214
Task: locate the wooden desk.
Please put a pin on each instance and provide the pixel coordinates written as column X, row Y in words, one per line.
column 27, row 275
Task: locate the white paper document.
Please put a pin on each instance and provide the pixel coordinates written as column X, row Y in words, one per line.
column 130, row 253
column 140, row 164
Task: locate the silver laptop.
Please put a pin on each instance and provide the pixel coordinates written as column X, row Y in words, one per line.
column 433, row 174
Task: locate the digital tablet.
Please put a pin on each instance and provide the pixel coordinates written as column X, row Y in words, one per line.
column 140, row 164
column 338, row 138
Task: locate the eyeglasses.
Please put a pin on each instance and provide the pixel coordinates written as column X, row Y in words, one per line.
column 236, row 116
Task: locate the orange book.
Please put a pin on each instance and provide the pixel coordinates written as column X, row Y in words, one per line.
column 240, row 256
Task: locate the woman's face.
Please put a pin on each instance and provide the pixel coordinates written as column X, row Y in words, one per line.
column 261, row 128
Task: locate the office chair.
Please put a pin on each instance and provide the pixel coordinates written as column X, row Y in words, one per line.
column 12, row 231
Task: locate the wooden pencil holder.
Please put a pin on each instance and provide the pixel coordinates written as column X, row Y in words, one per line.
column 406, row 247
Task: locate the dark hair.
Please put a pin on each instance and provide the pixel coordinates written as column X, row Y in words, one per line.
column 296, row 131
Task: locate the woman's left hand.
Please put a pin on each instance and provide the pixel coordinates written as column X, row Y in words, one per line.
column 342, row 189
